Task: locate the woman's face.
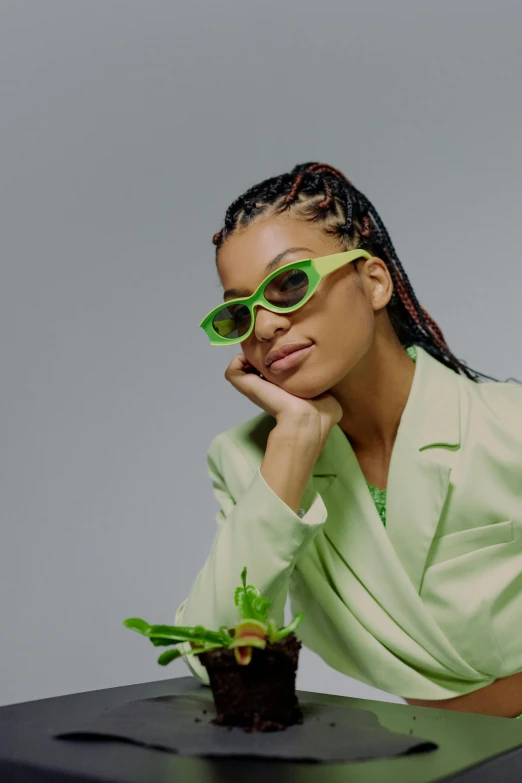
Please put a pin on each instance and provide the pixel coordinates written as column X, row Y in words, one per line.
column 340, row 319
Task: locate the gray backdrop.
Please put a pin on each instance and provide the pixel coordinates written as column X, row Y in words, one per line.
column 126, row 129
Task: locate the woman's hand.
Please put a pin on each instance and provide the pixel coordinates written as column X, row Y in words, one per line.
column 276, row 401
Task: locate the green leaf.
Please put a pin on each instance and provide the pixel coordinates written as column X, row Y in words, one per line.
column 261, row 607
column 250, row 626
column 272, row 630
column 290, row 627
column 225, row 636
column 178, row 633
column 243, row 655
column 171, row 655
column 251, row 605
column 137, row 624
column 168, row 656
column 161, row 641
column 206, row 648
column 165, row 635
column 248, row 641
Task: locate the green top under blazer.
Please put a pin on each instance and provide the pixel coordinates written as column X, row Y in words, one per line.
column 428, row 606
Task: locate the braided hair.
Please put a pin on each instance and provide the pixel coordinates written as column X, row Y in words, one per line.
column 321, row 194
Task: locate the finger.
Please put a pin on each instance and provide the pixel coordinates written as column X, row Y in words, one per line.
column 235, row 364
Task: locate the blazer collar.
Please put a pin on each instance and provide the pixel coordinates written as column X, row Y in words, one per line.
column 432, row 413
column 431, row 416
column 418, row 483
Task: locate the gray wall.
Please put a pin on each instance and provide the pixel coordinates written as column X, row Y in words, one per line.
column 126, row 129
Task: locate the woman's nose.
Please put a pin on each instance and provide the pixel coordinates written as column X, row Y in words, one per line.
column 268, row 322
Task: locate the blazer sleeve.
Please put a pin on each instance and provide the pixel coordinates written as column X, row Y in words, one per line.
column 258, row 531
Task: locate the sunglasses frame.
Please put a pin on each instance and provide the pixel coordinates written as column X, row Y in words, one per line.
column 316, row 269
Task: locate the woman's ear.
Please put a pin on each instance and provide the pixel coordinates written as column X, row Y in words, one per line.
column 378, row 282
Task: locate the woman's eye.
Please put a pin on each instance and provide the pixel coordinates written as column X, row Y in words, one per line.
column 239, row 312
column 295, row 279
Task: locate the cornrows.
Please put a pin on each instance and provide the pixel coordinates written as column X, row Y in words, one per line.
column 318, row 168
column 322, row 194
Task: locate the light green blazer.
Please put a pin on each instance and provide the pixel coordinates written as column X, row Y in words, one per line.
column 429, row 606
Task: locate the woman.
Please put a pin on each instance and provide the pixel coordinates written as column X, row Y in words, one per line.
column 380, row 488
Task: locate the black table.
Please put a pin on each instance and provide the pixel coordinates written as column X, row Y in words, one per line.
column 29, row 754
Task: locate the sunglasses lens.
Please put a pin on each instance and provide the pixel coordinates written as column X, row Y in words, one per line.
column 233, row 322
column 284, row 290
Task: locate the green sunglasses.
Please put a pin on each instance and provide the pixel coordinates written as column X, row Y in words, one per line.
column 292, row 284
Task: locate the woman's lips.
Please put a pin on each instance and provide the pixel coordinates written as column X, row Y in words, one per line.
column 290, row 359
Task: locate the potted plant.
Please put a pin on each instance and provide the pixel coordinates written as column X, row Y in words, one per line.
column 251, row 667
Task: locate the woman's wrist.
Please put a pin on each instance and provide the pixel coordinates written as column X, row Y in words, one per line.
column 310, row 428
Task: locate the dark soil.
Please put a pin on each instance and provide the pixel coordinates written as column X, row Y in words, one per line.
column 261, row 695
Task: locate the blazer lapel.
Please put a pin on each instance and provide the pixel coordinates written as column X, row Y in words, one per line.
column 418, row 484
column 324, row 473
column 421, row 463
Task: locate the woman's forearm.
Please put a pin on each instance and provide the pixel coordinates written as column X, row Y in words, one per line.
column 293, row 447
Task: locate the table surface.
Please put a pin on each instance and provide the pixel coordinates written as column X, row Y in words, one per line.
column 30, row 754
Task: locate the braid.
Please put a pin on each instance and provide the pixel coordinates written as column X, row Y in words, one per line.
column 324, row 195
column 293, row 193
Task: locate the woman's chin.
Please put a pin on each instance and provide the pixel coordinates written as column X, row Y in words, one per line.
column 303, row 389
